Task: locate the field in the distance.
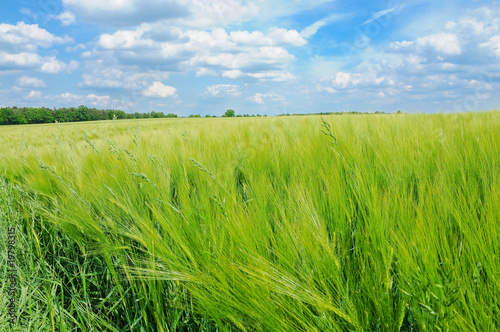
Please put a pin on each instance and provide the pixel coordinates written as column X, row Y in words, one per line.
column 357, row 223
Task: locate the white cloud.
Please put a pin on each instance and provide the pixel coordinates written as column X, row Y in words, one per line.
column 493, row 44
column 28, row 37
column 223, row 90
column 67, row 18
column 187, row 13
column 250, row 38
column 95, row 100
column 258, row 98
column 124, row 39
column 232, row 73
column 275, row 36
column 19, row 44
column 205, row 72
column 100, row 76
column 34, row 95
column 271, row 76
column 96, row 5
column 157, row 89
column 446, row 43
column 344, row 80
column 266, row 55
column 450, row 25
column 26, row 60
column 399, row 45
column 472, row 24
column 20, row 60
column 210, row 14
column 75, row 48
column 92, row 100
column 53, row 66
column 235, row 54
column 274, row 76
column 312, row 29
column 448, row 66
column 286, row 37
column 329, row 89
column 384, row 12
column 30, row 82
column 124, row 13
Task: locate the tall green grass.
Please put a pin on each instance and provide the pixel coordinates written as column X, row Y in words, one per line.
column 351, row 223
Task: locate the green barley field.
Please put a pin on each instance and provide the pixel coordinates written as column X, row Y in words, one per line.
column 340, row 223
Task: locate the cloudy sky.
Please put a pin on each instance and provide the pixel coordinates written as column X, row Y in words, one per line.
column 262, row 56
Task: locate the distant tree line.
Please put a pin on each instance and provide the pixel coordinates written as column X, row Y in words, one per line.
column 27, row 115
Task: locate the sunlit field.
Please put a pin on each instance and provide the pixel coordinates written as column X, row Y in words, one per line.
column 340, row 223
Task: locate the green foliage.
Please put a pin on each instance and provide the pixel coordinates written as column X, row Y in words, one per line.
column 229, row 113
column 353, row 223
column 157, row 115
column 39, row 115
column 3, row 116
column 25, row 115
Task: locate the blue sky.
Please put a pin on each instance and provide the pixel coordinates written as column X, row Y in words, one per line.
column 257, row 57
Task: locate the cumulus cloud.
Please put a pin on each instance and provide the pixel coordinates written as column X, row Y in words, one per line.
column 344, row 80
column 157, row 89
column 276, row 36
column 232, row 73
column 205, row 72
column 19, row 45
column 100, row 76
column 273, row 76
column 34, row 95
column 20, row 60
column 30, row 82
column 208, row 14
column 446, row 43
column 93, row 100
column 124, row 39
column 236, row 54
column 67, row 18
column 258, row 98
column 25, row 60
column 53, row 66
column 425, row 70
column 28, row 37
column 223, row 90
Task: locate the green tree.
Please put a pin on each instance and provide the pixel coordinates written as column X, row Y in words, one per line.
column 157, row 115
column 3, row 116
column 45, row 115
column 17, row 116
column 59, row 116
column 120, row 114
column 229, row 113
column 82, row 113
column 72, row 115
